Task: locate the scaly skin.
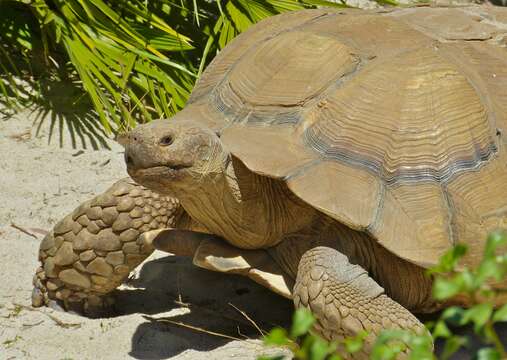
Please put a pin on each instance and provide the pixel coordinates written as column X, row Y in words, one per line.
column 92, row 251
column 345, row 300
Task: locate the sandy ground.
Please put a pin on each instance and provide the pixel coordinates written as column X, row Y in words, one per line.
column 39, row 184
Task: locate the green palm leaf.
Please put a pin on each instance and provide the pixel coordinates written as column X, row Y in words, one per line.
column 137, row 60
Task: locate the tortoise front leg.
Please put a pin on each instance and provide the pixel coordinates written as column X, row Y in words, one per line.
column 345, row 300
column 213, row 253
column 175, row 241
column 92, row 251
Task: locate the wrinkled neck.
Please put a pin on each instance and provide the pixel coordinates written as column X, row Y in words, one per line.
column 248, row 210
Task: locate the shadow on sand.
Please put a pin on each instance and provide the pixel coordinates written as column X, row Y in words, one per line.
column 172, row 288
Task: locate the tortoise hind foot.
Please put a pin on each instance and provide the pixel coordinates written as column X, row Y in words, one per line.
column 92, row 250
column 345, row 300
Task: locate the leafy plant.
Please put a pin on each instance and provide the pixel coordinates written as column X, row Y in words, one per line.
column 479, row 285
column 128, row 60
column 305, row 345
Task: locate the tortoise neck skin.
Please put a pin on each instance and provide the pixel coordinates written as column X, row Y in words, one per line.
column 188, row 161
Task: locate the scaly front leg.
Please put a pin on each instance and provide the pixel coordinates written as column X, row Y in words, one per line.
column 92, row 251
column 345, row 299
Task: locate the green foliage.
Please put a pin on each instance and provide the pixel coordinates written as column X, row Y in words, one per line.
column 302, row 323
column 475, row 284
column 449, row 280
column 129, row 60
column 306, row 345
column 390, row 343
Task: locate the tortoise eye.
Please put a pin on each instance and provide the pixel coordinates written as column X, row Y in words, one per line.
column 166, row 140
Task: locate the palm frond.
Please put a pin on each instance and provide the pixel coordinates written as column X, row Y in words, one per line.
column 137, row 60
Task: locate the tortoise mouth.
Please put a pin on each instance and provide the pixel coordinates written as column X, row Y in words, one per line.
column 134, row 167
column 168, row 180
column 159, row 169
column 159, row 173
column 178, row 167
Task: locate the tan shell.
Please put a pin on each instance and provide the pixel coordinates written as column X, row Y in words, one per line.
column 393, row 123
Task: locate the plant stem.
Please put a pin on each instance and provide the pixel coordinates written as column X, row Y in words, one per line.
column 496, row 340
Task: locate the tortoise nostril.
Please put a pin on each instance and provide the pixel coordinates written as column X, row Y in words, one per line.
column 128, row 159
column 166, row 140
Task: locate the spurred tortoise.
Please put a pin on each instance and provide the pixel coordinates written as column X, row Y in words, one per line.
column 331, row 156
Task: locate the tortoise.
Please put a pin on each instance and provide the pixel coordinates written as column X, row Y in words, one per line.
column 331, row 156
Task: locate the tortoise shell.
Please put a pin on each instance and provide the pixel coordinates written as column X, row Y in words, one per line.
column 392, row 123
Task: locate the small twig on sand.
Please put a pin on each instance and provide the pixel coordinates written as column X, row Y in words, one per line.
column 62, row 324
column 241, row 334
column 195, row 328
column 27, row 326
column 23, row 230
column 261, row 332
column 39, row 231
column 211, row 312
column 23, row 136
column 182, row 303
column 54, row 318
column 180, row 298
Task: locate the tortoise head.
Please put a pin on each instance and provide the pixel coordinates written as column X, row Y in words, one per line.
column 174, row 156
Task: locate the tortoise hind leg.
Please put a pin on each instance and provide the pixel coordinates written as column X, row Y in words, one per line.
column 92, row 250
column 345, row 300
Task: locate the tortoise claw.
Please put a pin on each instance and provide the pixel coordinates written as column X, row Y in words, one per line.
column 93, row 305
